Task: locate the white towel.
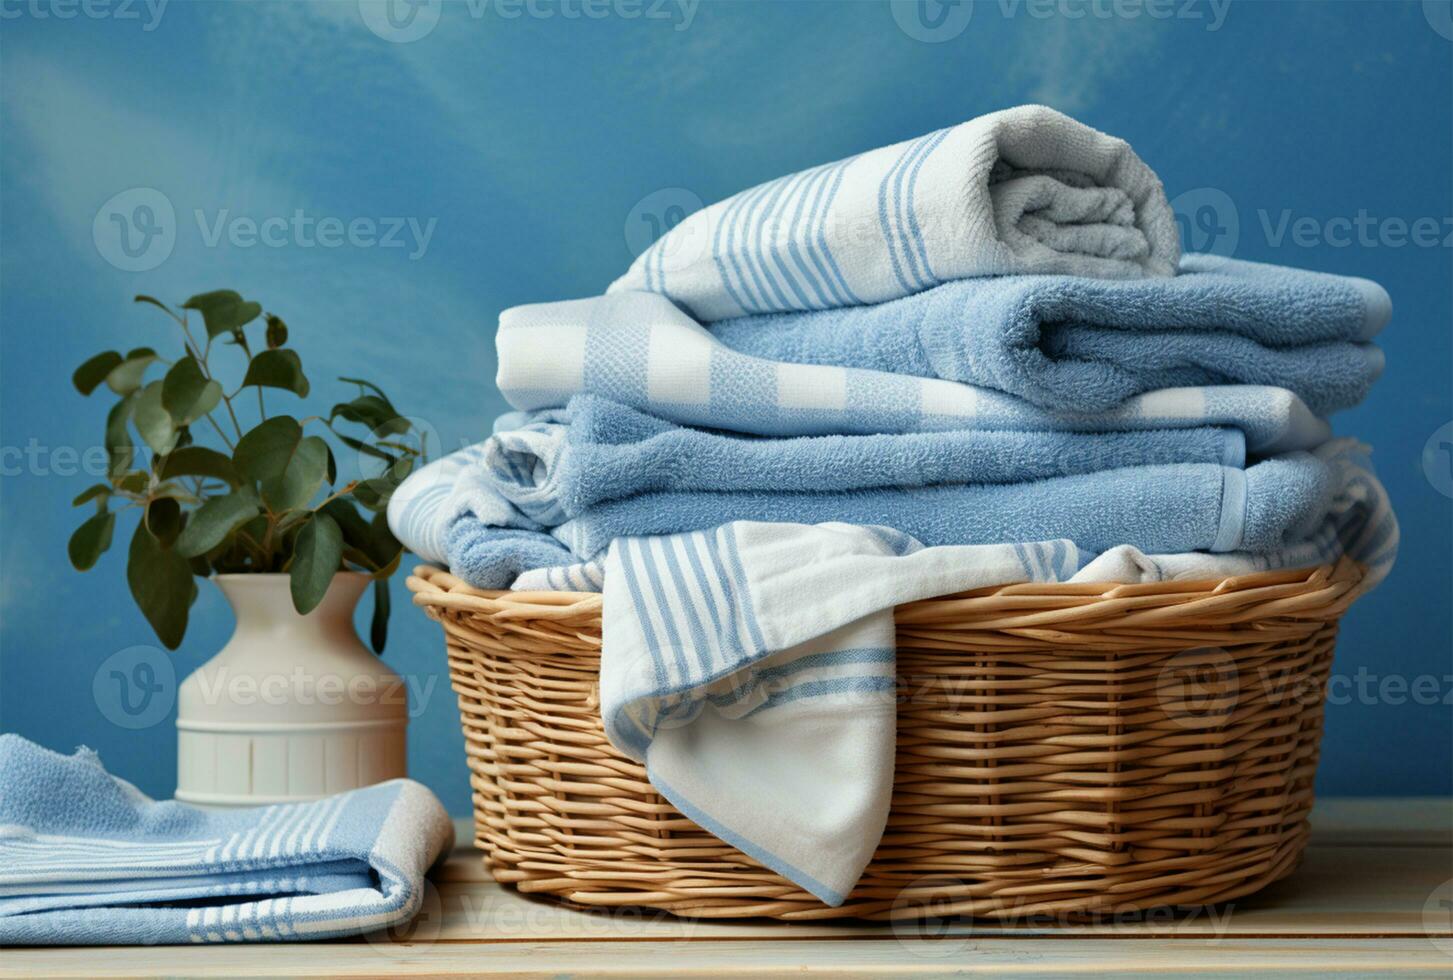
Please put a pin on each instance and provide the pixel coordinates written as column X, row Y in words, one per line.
column 1024, row 190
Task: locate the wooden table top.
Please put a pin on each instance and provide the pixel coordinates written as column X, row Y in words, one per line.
column 1374, row 896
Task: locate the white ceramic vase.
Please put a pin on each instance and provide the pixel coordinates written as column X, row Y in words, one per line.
column 293, row 707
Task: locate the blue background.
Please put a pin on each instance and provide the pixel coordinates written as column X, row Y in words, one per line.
column 531, row 140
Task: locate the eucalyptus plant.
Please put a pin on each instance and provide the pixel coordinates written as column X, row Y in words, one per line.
column 263, row 498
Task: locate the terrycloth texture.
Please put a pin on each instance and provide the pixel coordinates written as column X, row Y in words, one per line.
column 85, row 858
column 553, row 471
column 1076, row 344
column 1359, row 523
column 750, row 667
column 1024, row 190
column 433, row 497
column 1175, row 508
column 639, row 350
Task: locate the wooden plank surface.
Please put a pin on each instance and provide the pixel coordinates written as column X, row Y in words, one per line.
column 1374, row 896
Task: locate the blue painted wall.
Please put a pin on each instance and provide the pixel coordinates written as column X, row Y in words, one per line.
column 521, row 141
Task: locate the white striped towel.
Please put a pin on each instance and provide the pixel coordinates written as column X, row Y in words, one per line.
column 638, row 349
column 1023, row 190
column 87, row 859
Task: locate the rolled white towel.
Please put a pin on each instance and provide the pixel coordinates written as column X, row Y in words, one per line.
column 1023, row 190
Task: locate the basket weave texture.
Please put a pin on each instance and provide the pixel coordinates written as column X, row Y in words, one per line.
column 1063, row 750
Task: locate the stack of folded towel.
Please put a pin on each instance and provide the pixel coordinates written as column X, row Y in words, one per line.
column 971, row 359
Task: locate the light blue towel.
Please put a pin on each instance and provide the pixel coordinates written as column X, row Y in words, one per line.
column 1175, row 508
column 1359, row 524
column 554, row 471
column 87, row 859
column 640, row 350
column 1075, row 344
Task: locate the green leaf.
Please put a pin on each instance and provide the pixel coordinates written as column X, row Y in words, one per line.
column 300, row 478
column 369, row 411
column 119, row 447
column 365, row 448
column 277, row 369
column 91, row 539
column 223, row 311
column 187, row 393
column 162, row 585
column 316, row 557
column 153, row 301
column 94, row 371
column 263, row 452
column 134, row 482
column 126, row 377
column 386, row 548
column 356, row 530
column 369, row 496
column 210, row 523
column 199, row 461
column 372, row 387
column 91, row 493
column 277, row 331
column 153, row 421
column 378, row 628
column 164, row 520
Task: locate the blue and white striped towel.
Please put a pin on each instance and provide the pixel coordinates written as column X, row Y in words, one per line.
column 639, row 350
column 87, row 859
column 1024, row 190
column 751, row 668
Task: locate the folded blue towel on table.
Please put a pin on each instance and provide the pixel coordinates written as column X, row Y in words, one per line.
column 87, row 859
column 1070, row 343
column 553, row 471
column 1024, row 190
column 640, row 350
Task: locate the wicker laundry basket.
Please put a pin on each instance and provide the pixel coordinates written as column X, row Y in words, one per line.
column 1063, row 750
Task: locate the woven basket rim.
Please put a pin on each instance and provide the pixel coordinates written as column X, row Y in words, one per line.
column 433, row 586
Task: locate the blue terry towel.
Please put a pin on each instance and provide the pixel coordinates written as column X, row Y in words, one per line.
column 638, row 349
column 1176, row 508
column 553, row 471
column 1074, row 344
column 87, row 859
